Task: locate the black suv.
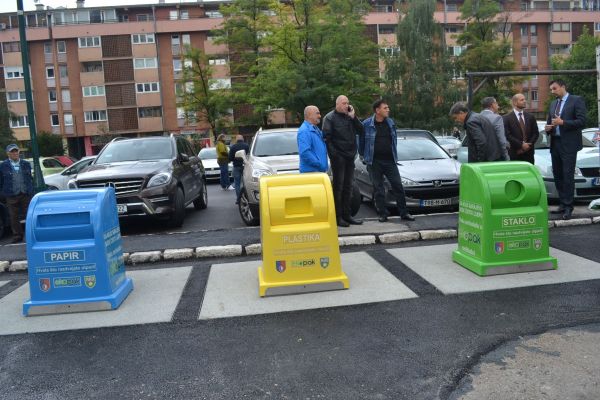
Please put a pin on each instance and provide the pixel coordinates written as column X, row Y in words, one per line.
column 155, row 176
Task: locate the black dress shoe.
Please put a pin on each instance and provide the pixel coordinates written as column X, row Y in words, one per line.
column 342, row 223
column 353, row 221
column 408, row 217
column 567, row 215
column 558, row 211
column 383, row 218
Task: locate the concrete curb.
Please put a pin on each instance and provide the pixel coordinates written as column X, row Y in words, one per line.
column 256, row 248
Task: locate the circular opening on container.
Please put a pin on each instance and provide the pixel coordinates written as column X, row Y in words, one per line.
column 514, row 190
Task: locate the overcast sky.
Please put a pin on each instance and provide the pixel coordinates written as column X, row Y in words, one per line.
column 11, row 5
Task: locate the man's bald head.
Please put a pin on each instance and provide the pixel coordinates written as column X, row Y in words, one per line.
column 312, row 115
column 519, row 101
column 341, row 104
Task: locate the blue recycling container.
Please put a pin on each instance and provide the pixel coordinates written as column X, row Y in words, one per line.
column 74, row 252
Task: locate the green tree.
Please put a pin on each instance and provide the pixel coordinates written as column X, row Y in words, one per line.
column 583, row 56
column 419, row 73
column 50, row 144
column 488, row 48
column 201, row 99
column 6, row 134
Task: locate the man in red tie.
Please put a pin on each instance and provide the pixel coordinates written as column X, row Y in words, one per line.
column 521, row 130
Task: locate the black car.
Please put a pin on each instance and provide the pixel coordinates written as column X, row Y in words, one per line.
column 4, row 221
column 152, row 176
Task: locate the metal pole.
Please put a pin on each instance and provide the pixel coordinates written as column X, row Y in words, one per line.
column 38, row 179
column 470, row 92
column 598, row 82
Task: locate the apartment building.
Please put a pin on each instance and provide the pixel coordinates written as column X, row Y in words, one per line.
column 101, row 72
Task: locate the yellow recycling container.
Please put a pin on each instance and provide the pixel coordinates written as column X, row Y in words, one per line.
column 299, row 236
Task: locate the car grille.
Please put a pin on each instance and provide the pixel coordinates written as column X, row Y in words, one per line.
column 590, row 172
column 427, row 193
column 122, row 186
column 593, row 191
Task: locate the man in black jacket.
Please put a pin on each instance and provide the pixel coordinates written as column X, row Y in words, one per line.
column 340, row 128
column 238, row 164
column 482, row 140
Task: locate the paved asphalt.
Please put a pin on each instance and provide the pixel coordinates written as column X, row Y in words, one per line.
column 420, row 348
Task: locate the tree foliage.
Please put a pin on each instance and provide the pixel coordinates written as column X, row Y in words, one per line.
column 6, row 134
column 583, row 56
column 201, row 99
column 309, row 52
column 488, row 48
column 419, row 75
column 50, row 144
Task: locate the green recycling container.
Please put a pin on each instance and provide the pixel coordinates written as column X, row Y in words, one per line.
column 502, row 219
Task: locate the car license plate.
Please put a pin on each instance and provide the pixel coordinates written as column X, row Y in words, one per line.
column 121, row 208
column 596, row 182
column 436, row 202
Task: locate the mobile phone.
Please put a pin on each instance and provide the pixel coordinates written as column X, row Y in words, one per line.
column 349, row 108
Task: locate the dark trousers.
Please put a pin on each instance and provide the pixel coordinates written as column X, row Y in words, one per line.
column 237, row 181
column 388, row 169
column 343, row 177
column 563, row 169
column 224, row 178
column 17, row 209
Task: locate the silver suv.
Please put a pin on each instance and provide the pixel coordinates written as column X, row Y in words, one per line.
column 273, row 152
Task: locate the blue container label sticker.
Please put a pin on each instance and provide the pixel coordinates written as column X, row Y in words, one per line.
column 61, row 269
column 67, row 281
column 64, row 256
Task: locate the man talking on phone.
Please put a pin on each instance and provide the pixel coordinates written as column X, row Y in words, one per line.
column 566, row 119
column 340, row 128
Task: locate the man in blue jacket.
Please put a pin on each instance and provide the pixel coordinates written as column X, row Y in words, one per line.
column 378, row 148
column 311, row 147
column 16, row 184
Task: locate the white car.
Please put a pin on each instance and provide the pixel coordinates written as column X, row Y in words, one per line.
column 450, row 144
column 208, row 155
column 60, row 180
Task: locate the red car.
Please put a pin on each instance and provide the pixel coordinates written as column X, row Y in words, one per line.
column 65, row 160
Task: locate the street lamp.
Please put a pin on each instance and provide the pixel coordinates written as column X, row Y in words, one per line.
column 38, row 179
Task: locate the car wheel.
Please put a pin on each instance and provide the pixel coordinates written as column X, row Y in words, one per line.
column 201, row 201
column 3, row 224
column 355, row 200
column 178, row 210
column 50, row 187
column 248, row 212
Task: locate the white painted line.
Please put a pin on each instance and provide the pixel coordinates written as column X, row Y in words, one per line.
column 4, row 265
column 232, row 289
column 219, row 251
column 434, row 264
column 2, row 283
column 18, row 266
column 356, row 240
column 254, row 249
column 178, row 254
column 438, row 234
column 399, row 237
column 572, row 222
column 154, row 297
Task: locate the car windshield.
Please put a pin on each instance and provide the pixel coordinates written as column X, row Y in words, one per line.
column 419, row 149
column 134, row 150
column 275, row 144
column 447, row 140
column 543, row 142
column 208, row 153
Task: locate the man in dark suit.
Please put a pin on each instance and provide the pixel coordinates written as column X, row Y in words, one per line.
column 483, row 143
column 566, row 119
column 521, row 130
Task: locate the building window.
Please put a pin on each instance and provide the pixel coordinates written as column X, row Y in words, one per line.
column 141, row 63
column 524, row 51
column 52, row 96
column 142, row 38
column 451, row 29
column 534, row 95
column 19, row 121
column 47, row 48
column 13, row 72
column 175, row 41
column 524, row 30
column 11, row 47
column 533, row 30
column 15, row 96
column 150, row 87
column 65, row 94
column 96, row 16
column 214, row 14
column 386, row 29
column 173, row 14
column 451, row 7
column 388, row 51
column 49, row 72
column 185, row 39
column 211, row 37
column 217, row 61
column 68, row 117
column 149, row 112
column 62, row 71
column 142, row 17
column 184, row 14
column 597, row 26
column 533, row 52
column 61, row 47
column 561, row 27
column 524, row 6
column 177, row 66
column 89, row 41
column 91, row 66
column 94, row 116
column 54, row 121
column 90, row 91
column 456, row 50
column 219, row 83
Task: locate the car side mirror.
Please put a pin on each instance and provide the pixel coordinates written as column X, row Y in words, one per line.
column 240, row 154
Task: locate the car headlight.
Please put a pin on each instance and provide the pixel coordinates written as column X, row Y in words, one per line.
column 578, row 172
column 72, row 184
column 159, row 179
column 257, row 173
column 408, row 182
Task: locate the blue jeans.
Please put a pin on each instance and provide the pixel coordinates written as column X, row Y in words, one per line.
column 388, row 169
column 237, row 181
column 224, row 175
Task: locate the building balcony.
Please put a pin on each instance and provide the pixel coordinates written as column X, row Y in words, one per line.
column 12, row 59
column 53, row 106
column 90, row 54
column 148, row 100
column 150, row 124
column 69, row 130
column 92, row 78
